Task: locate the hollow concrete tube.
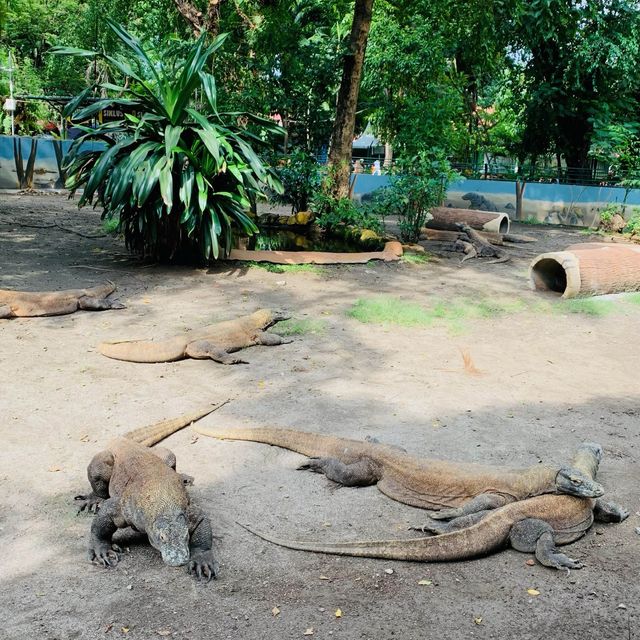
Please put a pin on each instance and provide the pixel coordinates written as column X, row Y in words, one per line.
column 587, row 269
column 446, row 218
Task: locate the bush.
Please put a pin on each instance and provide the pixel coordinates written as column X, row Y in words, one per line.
column 633, row 224
column 332, row 214
column 419, row 184
column 179, row 179
column 300, row 177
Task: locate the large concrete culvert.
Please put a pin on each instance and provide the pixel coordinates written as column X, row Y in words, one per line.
column 588, row 269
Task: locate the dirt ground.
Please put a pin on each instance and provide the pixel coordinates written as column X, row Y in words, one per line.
column 547, row 381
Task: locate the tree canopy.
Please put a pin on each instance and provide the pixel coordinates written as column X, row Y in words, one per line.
column 524, row 79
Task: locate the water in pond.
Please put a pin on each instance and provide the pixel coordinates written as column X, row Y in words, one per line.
column 278, row 239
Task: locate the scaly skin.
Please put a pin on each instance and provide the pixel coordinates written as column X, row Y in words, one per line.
column 456, row 488
column 535, row 525
column 135, row 486
column 215, row 341
column 15, row 304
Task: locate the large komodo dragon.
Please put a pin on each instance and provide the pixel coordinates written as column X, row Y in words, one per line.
column 134, row 486
column 456, row 489
column 15, row 304
column 216, row 341
column 535, row 525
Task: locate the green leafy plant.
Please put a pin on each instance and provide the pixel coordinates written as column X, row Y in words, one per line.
column 336, row 215
column 179, row 178
column 633, row 224
column 300, row 176
column 420, row 183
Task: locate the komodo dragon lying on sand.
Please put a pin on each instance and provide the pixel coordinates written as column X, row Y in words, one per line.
column 134, row 486
column 456, row 488
column 535, row 525
column 215, row 341
column 56, row 303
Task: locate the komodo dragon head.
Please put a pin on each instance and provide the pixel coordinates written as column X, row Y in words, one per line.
column 169, row 534
column 266, row 318
column 571, row 481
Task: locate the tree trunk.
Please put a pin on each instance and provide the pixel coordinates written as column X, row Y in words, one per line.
column 208, row 22
column 388, row 155
column 344, row 125
column 521, row 183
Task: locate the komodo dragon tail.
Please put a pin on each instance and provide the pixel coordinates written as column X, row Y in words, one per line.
column 154, row 433
column 308, row 444
column 490, row 534
column 101, row 290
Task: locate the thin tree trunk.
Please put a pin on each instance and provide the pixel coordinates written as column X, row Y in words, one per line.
column 521, row 183
column 388, row 155
column 209, row 22
column 344, row 125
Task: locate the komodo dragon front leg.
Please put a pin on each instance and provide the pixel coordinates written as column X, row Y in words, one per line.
column 480, row 503
column 361, row 473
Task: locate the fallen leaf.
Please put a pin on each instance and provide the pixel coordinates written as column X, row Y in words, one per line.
column 325, row 578
column 425, row 582
column 84, row 438
column 389, row 571
column 164, row 632
column 194, row 439
column 533, row 592
column 338, row 613
column 469, row 367
column 531, row 562
column 308, row 632
column 275, row 611
column 108, row 627
column 146, row 301
column 125, row 629
column 478, row 620
column 53, row 469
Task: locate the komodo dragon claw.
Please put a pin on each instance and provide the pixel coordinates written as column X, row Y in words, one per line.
column 105, row 554
column 90, row 502
column 203, row 565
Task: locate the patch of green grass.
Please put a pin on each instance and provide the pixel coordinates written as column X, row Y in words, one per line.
column 293, row 327
column 286, row 268
column 633, row 298
column 415, row 258
column 587, row 306
column 389, row 310
column 530, row 220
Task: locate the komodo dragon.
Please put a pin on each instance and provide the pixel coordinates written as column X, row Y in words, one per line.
column 15, row 304
column 535, row 525
column 456, row 488
column 216, row 341
column 134, row 486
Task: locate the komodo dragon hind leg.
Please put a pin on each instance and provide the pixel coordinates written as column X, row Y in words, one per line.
column 481, row 502
column 605, row 511
column 169, row 458
column 437, row 527
column 533, row 535
column 98, row 304
column 203, row 350
column 268, row 339
column 5, row 311
column 99, row 473
column 201, row 560
column 356, row 474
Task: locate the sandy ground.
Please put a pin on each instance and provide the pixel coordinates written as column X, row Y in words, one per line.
column 547, row 382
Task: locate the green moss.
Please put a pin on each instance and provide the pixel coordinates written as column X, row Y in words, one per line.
column 416, row 258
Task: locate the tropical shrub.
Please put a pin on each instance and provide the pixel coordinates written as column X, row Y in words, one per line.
column 178, row 175
column 333, row 214
column 419, row 183
column 301, row 179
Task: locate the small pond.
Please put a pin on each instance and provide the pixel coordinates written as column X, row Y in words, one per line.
column 279, row 239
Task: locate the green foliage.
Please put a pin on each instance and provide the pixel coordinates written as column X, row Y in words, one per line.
column 300, row 177
column 633, row 223
column 332, row 214
column 420, row 183
column 286, row 268
column 415, row 258
column 179, row 179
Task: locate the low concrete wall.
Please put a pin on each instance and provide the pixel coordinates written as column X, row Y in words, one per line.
column 35, row 163
column 551, row 203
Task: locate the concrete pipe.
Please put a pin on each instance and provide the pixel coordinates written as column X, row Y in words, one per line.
column 588, row 269
column 446, row 218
